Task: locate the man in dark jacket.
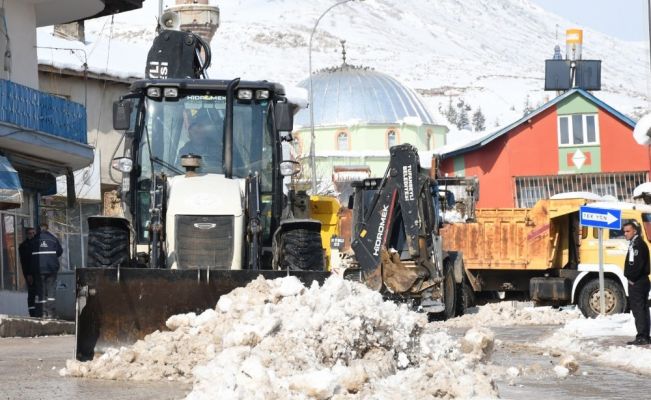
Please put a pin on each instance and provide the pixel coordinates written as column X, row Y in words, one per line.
column 29, row 272
column 636, row 270
column 46, row 251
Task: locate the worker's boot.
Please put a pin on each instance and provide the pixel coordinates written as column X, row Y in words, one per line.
column 638, row 342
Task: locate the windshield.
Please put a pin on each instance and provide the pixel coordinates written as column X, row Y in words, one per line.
column 194, row 124
column 646, row 224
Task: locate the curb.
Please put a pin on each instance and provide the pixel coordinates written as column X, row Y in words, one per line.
column 31, row 327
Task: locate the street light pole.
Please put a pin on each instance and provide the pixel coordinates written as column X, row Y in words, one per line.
column 312, row 136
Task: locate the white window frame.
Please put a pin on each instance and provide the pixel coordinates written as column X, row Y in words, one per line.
column 341, row 135
column 570, row 128
column 393, row 133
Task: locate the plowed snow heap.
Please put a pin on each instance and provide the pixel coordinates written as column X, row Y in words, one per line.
column 279, row 339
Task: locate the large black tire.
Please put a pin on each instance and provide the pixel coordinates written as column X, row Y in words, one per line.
column 450, row 293
column 108, row 247
column 465, row 297
column 300, row 250
column 450, row 296
column 614, row 295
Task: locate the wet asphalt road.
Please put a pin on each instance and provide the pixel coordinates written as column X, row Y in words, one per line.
column 591, row 381
column 29, row 369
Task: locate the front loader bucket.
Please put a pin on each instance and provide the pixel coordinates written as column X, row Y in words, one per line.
column 117, row 307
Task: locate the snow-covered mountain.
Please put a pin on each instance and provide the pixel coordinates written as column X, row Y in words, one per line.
column 489, row 52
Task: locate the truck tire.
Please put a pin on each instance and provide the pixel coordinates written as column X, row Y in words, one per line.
column 450, row 296
column 465, row 298
column 450, row 293
column 300, row 250
column 614, row 294
column 108, row 247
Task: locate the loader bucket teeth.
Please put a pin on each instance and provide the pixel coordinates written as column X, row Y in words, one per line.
column 123, row 305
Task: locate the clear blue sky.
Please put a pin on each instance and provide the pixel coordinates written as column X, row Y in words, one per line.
column 624, row 19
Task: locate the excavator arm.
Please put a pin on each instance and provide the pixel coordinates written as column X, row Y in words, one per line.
column 393, row 241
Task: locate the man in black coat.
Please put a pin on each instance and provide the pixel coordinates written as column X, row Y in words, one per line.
column 46, row 251
column 30, row 273
column 636, row 270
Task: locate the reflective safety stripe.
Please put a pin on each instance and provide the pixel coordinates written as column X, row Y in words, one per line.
column 41, row 301
column 31, row 308
column 43, row 252
column 51, row 299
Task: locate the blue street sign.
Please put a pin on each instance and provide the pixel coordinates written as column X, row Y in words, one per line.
column 601, row 217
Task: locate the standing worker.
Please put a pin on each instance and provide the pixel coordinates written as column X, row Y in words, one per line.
column 46, row 251
column 30, row 273
column 636, row 270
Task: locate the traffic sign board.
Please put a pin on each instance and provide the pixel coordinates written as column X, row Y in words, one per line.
column 601, row 217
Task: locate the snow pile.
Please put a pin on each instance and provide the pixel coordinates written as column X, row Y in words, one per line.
column 513, row 313
column 593, row 339
column 453, row 216
column 279, row 339
column 478, row 342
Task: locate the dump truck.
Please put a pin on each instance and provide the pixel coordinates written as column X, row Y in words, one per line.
column 197, row 223
column 545, row 252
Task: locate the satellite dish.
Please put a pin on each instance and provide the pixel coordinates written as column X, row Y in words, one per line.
column 170, row 20
column 642, row 130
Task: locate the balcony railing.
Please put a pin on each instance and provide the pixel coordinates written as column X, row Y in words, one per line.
column 34, row 110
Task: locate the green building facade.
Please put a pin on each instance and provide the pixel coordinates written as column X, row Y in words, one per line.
column 358, row 115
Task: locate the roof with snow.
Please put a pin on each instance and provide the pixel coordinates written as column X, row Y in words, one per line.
column 349, row 94
column 486, row 139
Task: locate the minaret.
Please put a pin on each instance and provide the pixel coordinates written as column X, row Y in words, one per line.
column 197, row 16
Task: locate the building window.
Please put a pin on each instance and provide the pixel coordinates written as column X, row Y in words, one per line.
column 430, row 138
column 392, row 139
column 578, row 129
column 604, row 189
column 530, row 189
column 342, row 141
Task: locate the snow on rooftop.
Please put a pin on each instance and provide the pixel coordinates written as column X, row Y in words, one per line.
column 577, row 195
column 124, row 61
column 642, row 189
column 620, row 205
column 297, row 95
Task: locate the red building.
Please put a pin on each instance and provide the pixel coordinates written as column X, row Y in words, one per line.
column 575, row 142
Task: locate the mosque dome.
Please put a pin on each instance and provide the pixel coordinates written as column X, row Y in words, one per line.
column 348, row 94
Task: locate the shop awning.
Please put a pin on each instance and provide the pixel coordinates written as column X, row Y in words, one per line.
column 11, row 191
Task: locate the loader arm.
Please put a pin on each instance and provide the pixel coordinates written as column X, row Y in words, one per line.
column 401, row 203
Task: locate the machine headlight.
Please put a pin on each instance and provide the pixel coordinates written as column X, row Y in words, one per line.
column 153, row 92
column 289, row 168
column 122, row 164
column 245, row 94
column 261, row 94
column 171, row 92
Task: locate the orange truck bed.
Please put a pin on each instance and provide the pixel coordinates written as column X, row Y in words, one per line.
column 514, row 238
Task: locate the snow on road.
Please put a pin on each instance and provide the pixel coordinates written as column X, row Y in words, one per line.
column 602, row 340
column 509, row 313
column 279, row 339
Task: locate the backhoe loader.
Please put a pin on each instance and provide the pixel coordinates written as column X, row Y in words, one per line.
column 396, row 242
column 198, row 223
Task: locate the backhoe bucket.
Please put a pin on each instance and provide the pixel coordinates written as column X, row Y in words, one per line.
column 117, row 307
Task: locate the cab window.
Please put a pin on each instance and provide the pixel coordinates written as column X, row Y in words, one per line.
column 619, row 233
column 646, row 225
